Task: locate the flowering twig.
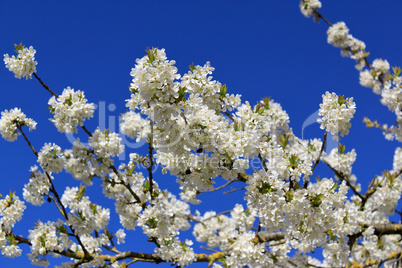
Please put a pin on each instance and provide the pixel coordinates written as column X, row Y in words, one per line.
column 346, row 179
column 52, row 189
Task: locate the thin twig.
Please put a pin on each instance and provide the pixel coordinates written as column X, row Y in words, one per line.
column 52, row 189
column 45, row 86
column 136, row 197
column 218, row 188
column 210, row 249
column 86, row 131
column 217, row 215
column 324, row 141
column 26, row 139
column 229, row 115
column 346, row 179
column 234, row 190
column 318, row 15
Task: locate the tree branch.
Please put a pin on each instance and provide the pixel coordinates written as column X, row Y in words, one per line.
column 45, row 86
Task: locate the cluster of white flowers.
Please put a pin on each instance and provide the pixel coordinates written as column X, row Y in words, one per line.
column 341, row 161
column 70, row 110
column 174, row 250
column 221, row 230
column 24, row 65
column 190, row 196
column 376, row 77
column 244, row 252
column 51, row 158
column 84, row 217
column 198, row 82
column 336, row 112
column 134, row 126
column 37, row 186
column 48, row 237
column 11, row 120
column 80, row 162
column 154, row 77
column 307, row 7
column 106, row 144
column 11, row 211
column 338, row 36
column 165, row 217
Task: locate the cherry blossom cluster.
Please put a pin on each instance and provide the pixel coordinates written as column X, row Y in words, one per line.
column 336, row 112
column 11, row 120
column 338, row 36
column 37, row 186
column 70, row 110
column 11, row 211
column 22, row 65
column 308, row 6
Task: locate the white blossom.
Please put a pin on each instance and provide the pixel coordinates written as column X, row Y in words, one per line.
column 51, row 158
column 307, row 6
column 11, row 211
column 70, row 110
column 38, row 186
column 22, row 65
column 134, row 126
column 106, row 144
column 11, row 120
column 336, row 112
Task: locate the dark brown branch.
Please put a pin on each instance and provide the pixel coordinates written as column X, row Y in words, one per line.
column 86, row 131
column 45, row 86
column 319, row 16
column 346, row 179
column 26, row 139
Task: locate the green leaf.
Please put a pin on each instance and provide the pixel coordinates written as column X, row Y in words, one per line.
column 341, row 99
column 192, row 67
column 283, row 140
column 151, row 52
column 266, row 102
column 81, row 192
column 341, row 148
column 266, row 188
column 315, row 201
column 152, row 223
column 93, row 208
column 147, row 185
column 288, row 196
column 19, row 47
column 222, row 92
column 293, row 160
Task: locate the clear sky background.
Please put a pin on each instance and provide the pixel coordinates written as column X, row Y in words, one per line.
column 259, row 49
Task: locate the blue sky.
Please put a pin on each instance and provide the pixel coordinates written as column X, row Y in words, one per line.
column 258, row 48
